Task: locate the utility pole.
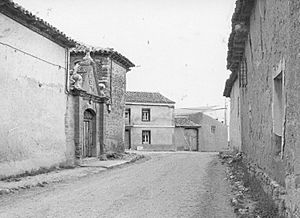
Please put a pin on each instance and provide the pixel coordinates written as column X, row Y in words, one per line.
column 225, row 113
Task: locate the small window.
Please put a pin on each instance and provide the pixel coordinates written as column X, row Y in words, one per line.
column 277, row 105
column 145, row 114
column 127, row 116
column 213, row 129
column 243, row 74
column 127, row 113
column 146, row 137
column 277, row 108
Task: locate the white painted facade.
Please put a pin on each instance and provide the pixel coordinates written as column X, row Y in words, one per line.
column 235, row 117
column 33, row 104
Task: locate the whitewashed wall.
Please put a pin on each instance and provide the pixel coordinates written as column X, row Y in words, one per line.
column 33, row 100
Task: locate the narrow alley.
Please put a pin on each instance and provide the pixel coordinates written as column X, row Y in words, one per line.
column 169, row 184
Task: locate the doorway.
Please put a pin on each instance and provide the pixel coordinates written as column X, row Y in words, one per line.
column 88, row 145
column 191, row 138
column 127, row 139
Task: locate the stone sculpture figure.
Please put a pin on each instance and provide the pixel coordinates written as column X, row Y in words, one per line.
column 76, row 78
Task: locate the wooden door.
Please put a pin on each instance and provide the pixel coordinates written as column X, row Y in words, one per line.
column 191, row 138
column 127, row 139
column 88, row 139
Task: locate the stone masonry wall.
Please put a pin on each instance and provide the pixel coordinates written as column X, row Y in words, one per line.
column 114, row 120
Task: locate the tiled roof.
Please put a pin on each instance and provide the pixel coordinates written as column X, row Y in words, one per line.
column 237, row 38
column 26, row 18
column 81, row 48
column 147, row 97
column 184, row 122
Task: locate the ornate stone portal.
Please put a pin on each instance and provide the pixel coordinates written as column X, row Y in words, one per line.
column 88, row 86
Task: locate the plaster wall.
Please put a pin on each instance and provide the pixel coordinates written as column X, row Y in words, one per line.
column 161, row 138
column 208, row 140
column 161, row 125
column 159, row 115
column 32, row 112
column 235, row 119
column 265, row 48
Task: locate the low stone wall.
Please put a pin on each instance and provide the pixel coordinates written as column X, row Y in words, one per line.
column 271, row 187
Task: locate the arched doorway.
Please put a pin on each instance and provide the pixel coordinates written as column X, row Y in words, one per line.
column 88, row 145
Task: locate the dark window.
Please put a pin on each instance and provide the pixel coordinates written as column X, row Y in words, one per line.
column 277, row 109
column 145, row 114
column 146, row 137
column 213, row 129
column 127, row 116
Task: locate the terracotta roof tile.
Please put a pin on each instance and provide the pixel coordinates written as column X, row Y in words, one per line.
column 237, row 38
column 184, row 122
column 147, row 97
column 26, row 18
column 82, row 48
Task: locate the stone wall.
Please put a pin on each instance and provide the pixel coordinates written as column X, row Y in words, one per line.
column 114, row 120
column 277, row 192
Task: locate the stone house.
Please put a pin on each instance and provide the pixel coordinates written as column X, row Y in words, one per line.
column 199, row 132
column 263, row 56
column 109, row 69
column 149, row 121
column 54, row 112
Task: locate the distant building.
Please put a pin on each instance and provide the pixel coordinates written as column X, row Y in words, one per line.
column 199, row 132
column 149, row 121
column 186, row 134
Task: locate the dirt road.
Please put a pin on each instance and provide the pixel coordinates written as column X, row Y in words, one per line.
column 168, row 185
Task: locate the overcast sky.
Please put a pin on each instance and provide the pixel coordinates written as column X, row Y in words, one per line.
column 179, row 46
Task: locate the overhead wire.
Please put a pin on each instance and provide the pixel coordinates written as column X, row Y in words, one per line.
column 31, row 55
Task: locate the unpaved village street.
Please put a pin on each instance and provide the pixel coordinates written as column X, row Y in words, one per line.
column 170, row 184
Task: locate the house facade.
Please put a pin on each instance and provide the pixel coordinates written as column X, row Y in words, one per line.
column 108, row 81
column 200, row 132
column 55, row 111
column 149, row 121
column 263, row 56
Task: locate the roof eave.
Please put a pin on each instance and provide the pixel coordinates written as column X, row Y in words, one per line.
column 27, row 19
column 113, row 54
column 237, row 39
column 229, row 83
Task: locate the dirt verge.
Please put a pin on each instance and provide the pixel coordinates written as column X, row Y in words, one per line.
column 249, row 199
